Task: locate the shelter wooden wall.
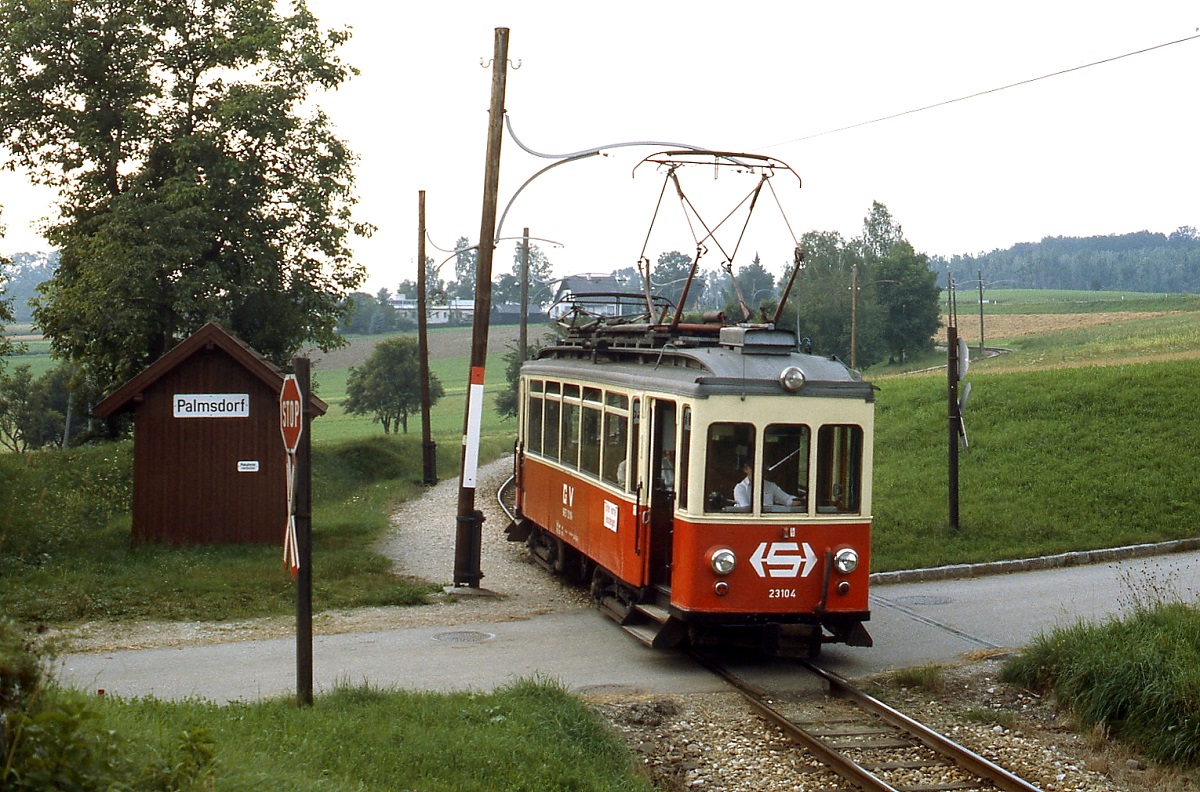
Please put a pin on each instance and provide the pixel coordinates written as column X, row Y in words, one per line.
column 187, row 486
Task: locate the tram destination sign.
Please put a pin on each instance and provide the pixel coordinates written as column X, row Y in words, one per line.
column 211, row 405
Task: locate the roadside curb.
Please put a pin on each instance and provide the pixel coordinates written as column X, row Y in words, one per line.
column 954, row 571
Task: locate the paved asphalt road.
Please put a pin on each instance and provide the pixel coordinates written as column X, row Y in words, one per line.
column 912, row 624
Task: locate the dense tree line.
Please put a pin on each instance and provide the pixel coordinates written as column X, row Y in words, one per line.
column 197, row 181
column 1143, row 262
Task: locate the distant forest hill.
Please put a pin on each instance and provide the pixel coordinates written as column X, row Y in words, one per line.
column 1141, row 262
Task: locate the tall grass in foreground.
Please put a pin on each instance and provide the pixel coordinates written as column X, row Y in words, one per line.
column 529, row 735
column 1136, row 678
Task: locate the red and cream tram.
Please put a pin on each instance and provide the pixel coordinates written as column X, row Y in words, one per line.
column 712, row 483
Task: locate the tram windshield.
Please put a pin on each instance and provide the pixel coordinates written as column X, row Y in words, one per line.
column 733, row 482
column 785, row 468
column 730, row 449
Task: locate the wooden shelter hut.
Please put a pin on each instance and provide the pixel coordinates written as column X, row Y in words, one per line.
column 209, row 460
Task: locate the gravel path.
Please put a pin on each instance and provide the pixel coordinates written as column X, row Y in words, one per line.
column 421, row 546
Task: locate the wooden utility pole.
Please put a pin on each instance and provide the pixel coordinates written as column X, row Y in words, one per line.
column 523, row 337
column 428, row 447
column 981, row 353
column 954, row 418
column 854, row 316
column 469, row 525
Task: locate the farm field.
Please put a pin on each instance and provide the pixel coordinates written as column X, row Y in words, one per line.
column 1017, row 325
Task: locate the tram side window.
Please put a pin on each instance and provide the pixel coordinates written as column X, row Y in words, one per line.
column 569, row 449
column 533, row 430
column 589, row 449
column 729, row 446
column 839, row 469
column 632, row 481
column 785, row 468
column 550, row 444
column 616, row 430
column 682, row 468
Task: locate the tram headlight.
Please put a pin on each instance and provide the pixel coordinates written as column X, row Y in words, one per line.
column 792, row 378
column 845, row 560
column 723, row 561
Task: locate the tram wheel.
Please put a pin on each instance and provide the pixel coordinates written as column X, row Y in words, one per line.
column 612, row 597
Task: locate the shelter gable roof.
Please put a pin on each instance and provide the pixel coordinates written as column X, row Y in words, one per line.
column 210, row 335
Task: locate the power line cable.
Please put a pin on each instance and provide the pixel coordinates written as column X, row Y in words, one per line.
column 982, row 93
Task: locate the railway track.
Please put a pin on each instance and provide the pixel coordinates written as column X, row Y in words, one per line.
column 872, row 746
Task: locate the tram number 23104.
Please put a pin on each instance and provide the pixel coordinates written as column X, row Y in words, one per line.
column 778, row 593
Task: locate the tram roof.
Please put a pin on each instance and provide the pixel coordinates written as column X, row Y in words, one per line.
column 695, row 360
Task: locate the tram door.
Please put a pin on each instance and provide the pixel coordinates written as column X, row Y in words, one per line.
column 662, row 477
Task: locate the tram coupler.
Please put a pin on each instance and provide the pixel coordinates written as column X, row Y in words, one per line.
column 518, row 530
column 791, row 640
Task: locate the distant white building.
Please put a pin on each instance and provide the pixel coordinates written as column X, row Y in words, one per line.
column 461, row 312
column 450, row 312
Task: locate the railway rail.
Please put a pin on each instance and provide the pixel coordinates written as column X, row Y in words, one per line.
column 873, row 746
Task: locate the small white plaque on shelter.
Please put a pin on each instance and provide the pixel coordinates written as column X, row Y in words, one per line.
column 247, row 466
column 211, row 405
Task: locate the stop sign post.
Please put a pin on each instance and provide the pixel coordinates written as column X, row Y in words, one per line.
column 292, row 420
column 291, row 423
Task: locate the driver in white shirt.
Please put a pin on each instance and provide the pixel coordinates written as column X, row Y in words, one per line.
column 772, row 495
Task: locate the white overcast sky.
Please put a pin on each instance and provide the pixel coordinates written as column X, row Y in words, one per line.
column 1106, row 149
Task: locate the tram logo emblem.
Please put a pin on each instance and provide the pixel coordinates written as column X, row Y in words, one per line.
column 783, row 559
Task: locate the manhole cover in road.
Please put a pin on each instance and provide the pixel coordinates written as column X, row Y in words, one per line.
column 463, row 637
column 924, row 599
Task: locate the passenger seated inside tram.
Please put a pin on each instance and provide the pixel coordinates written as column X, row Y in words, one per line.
column 666, row 479
column 772, row 494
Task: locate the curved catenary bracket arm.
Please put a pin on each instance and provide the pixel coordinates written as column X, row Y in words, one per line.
column 595, row 150
column 572, row 157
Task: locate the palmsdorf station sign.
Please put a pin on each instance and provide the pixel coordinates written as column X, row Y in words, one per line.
column 211, row 405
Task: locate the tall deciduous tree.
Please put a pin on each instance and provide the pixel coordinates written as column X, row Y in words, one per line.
column 880, row 232
column 387, row 386
column 465, row 262
column 907, row 294
column 541, row 276
column 899, row 281
column 196, row 182
column 822, row 295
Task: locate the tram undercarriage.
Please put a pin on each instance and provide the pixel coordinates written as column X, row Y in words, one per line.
column 645, row 612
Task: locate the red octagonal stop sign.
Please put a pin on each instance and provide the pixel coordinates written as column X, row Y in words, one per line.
column 290, row 424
